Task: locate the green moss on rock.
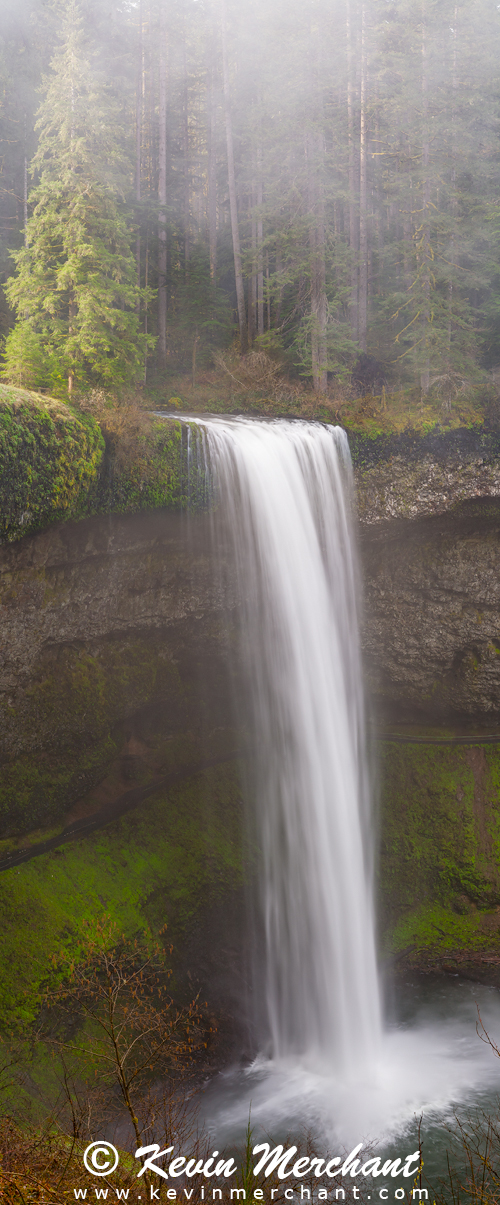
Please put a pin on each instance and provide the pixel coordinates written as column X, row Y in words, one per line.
column 49, row 461
column 148, row 472
column 58, row 464
column 440, row 844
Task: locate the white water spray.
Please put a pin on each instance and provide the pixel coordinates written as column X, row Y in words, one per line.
column 286, row 487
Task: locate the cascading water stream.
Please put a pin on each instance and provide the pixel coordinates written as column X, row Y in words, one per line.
column 284, row 492
column 286, row 489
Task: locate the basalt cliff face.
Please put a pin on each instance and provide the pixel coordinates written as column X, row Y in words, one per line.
column 430, row 550
column 105, row 624
column 430, row 528
column 432, row 627
column 116, row 637
column 120, row 616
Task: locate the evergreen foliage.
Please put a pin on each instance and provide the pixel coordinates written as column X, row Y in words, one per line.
column 75, row 291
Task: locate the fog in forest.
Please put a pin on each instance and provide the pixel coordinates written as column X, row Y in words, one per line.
column 317, row 181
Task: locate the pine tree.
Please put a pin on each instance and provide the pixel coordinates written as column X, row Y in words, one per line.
column 75, row 290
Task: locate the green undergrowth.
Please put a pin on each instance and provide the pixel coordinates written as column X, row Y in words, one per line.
column 161, row 864
column 433, row 928
column 391, row 413
column 400, row 412
column 440, row 845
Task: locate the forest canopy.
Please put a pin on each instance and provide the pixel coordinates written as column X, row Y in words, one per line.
column 317, row 181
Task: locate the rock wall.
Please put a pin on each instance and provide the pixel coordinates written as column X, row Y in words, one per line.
column 113, row 672
column 114, row 669
column 112, row 630
column 432, row 617
column 410, row 476
column 430, row 550
column 439, row 867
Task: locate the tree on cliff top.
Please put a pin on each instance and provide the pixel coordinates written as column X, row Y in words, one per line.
column 75, row 290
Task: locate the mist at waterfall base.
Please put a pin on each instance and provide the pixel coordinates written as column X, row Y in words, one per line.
column 327, row 1062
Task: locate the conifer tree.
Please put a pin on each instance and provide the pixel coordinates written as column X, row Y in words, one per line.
column 75, row 290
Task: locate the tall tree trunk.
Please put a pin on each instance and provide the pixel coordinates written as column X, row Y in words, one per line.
column 240, row 292
column 353, row 223
column 150, row 102
column 315, row 149
column 212, row 169
column 376, row 278
column 260, row 239
column 315, row 155
column 138, row 145
column 408, row 226
column 162, row 197
column 252, row 283
column 185, row 151
column 25, row 187
column 363, row 192
column 279, row 274
column 71, row 316
column 146, row 281
column 320, row 244
column 426, row 201
column 454, row 206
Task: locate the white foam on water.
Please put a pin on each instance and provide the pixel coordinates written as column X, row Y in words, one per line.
column 428, row 1069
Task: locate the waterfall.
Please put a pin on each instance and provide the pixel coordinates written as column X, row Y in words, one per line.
column 285, row 490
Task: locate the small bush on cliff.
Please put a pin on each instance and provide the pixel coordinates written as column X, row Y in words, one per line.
column 126, row 426
column 144, row 464
column 130, row 1031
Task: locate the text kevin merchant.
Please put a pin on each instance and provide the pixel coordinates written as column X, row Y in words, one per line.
column 101, row 1158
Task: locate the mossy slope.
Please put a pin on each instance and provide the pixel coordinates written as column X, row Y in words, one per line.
column 163, row 863
column 440, row 846
column 59, row 463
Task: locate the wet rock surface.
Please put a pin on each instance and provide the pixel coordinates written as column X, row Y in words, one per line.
column 432, row 622
column 409, row 476
column 118, row 617
column 109, row 626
